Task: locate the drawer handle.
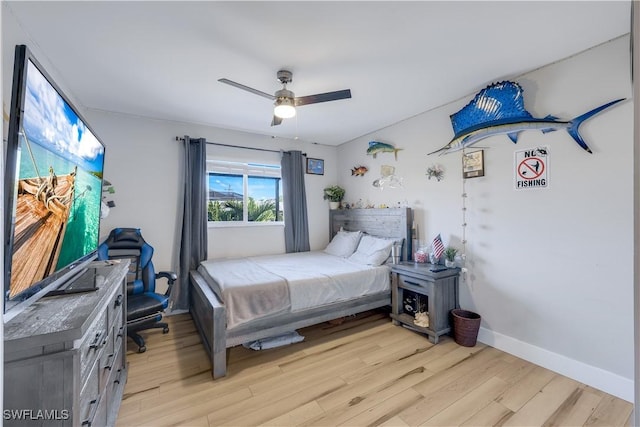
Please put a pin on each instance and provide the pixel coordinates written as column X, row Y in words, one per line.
column 411, row 283
column 117, row 380
column 92, row 414
column 118, row 301
column 100, row 340
column 109, row 366
column 120, row 332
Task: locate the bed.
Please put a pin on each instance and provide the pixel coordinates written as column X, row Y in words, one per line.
column 234, row 301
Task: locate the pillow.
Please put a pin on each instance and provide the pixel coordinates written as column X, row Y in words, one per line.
column 344, row 243
column 372, row 250
column 399, row 241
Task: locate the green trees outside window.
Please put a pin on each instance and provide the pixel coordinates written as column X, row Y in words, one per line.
column 232, row 210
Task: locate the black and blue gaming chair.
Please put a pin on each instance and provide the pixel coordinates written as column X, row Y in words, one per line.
column 144, row 305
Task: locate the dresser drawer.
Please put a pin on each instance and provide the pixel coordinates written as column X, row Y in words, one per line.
column 115, row 380
column 93, row 397
column 118, row 362
column 95, row 339
column 107, row 359
column 119, row 333
column 90, row 395
column 95, row 413
column 115, row 307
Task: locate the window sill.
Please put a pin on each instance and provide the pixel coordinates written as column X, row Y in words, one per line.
column 236, row 224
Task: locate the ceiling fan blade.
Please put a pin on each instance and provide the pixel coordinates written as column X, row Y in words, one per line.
column 323, row 97
column 276, row 121
column 247, row 88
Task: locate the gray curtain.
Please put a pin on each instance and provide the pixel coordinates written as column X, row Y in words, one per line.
column 193, row 245
column 296, row 224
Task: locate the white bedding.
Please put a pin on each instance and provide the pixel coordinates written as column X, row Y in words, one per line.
column 257, row 287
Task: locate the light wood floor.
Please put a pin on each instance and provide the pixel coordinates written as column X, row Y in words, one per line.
column 360, row 373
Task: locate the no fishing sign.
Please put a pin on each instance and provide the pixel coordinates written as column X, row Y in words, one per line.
column 532, row 168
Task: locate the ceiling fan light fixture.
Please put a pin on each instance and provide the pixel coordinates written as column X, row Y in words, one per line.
column 285, row 101
column 284, row 108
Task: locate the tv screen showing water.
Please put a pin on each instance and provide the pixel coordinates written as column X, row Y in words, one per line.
column 58, row 186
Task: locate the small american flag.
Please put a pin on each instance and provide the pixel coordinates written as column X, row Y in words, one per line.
column 438, row 247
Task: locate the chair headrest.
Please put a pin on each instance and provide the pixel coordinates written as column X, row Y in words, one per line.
column 125, row 238
column 128, row 234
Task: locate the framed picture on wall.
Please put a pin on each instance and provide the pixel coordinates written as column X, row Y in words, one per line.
column 315, row 166
column 473, row 164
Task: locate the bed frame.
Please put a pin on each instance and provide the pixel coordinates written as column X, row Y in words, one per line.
column 210, row 316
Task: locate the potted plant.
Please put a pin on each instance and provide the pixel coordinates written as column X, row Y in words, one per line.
column 450, row 256
column 334, row 194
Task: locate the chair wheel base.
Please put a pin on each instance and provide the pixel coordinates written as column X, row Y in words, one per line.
column 138, row 340
column 135, row 327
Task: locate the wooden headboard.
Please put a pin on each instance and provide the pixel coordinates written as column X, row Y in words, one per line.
column 385, row 222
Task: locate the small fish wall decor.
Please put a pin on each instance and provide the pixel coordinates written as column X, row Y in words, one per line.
column 376, row 147
column 499, row 109
column 359, row 170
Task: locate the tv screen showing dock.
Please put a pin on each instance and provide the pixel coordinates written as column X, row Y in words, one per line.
column 53, row 183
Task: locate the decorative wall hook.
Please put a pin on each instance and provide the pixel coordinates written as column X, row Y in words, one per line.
column 435, row 171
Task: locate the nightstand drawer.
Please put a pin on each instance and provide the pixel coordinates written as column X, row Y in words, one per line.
column 410, row 282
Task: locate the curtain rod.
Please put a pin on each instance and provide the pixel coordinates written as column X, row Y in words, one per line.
column 240, row 146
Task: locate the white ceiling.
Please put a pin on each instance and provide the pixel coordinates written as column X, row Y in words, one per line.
column 162, row 59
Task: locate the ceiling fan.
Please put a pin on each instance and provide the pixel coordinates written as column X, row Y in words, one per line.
column 286, row 101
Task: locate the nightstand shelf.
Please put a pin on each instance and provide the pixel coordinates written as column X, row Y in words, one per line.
column 440, row 289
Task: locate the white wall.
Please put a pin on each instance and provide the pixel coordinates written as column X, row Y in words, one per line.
column 550, row 270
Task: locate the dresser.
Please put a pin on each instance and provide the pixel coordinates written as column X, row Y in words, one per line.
column 65, row 356
column 434, row 289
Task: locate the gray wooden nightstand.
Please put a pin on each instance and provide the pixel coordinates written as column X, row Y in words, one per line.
column 439, row 288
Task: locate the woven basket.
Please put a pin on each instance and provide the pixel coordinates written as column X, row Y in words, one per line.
column 465, row 327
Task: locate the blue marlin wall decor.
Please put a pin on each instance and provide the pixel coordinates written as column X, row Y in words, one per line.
column 499, row 109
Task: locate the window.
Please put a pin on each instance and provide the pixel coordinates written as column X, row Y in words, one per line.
column 243, row 193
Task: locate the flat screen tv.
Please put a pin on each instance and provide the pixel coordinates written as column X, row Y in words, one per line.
column 53, row 188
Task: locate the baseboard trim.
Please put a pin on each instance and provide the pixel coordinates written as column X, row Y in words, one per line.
column 595, row 377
